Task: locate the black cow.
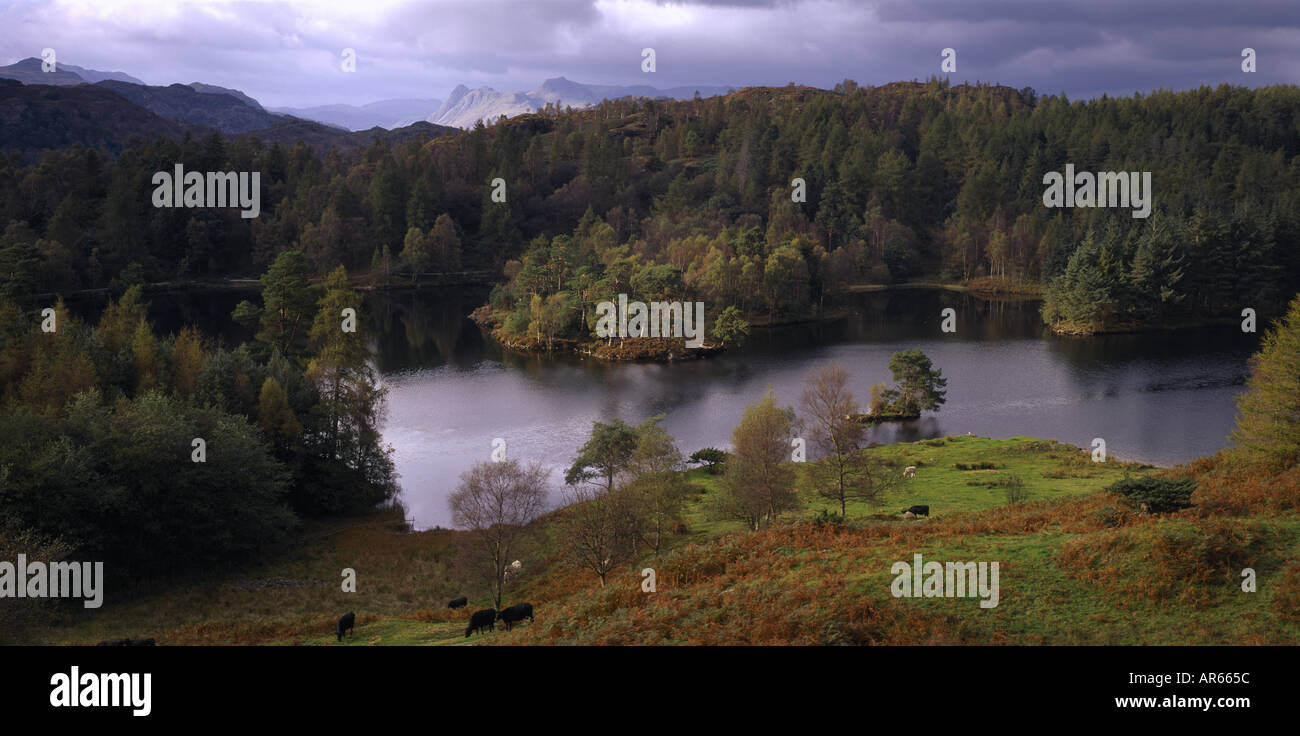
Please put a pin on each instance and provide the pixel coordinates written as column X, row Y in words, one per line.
column 515, row 614
column 143, row 643
column 917, row 510
column 347, row 622
column 460, row 602
column 484, row 617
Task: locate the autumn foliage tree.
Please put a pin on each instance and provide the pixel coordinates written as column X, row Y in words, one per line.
column 1267, row 436
column 655, row 482
column 495, row 502
column 759, row 481
column 844, row 471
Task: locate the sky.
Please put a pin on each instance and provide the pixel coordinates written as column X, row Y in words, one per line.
column 287, row 53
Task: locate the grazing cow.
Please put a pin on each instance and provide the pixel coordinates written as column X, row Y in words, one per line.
column 917, row 510
column 515, row 614
column 909, row 515
column 460, row 602
column 347, row 622
column 483, row 617
column 909, row 471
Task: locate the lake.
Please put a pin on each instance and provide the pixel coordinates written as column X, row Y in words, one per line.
column 1156, row 398
column 1160, row 398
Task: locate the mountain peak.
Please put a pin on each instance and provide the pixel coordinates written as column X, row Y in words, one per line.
column 466, row 107
column 455, row 96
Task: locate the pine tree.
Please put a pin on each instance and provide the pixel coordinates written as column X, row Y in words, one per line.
column 1157, row 271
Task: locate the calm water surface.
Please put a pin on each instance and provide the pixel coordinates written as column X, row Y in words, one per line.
column 1157, row 398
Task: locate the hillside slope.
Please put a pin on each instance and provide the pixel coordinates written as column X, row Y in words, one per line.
column 1076, row 567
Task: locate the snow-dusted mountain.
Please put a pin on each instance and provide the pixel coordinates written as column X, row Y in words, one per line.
column 466, row 106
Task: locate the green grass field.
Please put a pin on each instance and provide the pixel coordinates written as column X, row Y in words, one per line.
column 1047, row 469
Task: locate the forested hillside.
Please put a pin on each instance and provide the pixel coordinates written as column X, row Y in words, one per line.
column 162, row 454
column 693, row 199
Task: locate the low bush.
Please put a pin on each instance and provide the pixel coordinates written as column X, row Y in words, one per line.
column 1156, row 495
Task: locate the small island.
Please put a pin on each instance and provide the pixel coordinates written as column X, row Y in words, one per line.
column 920, row 387
column 547, row 329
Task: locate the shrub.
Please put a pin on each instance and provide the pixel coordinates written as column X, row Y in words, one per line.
column 1014, row 488
column 825, row 517
column 1156, row 494
column 1110, row 516
column 976, row 466
column 1222, row 488
column 1208, row 552
column 516, row 323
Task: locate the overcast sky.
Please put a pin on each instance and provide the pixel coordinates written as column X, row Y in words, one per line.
column 289, row 53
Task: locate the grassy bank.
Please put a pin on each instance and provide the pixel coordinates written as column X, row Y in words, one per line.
column 1077, row 567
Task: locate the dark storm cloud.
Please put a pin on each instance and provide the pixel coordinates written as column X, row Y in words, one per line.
column 288, row 53
column 1152, row 14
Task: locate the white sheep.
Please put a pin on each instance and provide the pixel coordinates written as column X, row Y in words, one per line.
column 909, row 471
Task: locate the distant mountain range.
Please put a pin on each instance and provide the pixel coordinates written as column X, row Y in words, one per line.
column 465, row 107
column 50, row 110
column 41, row 110
column 28, row 71
column 382, row 114
column 227, row 110
column 213, row 89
